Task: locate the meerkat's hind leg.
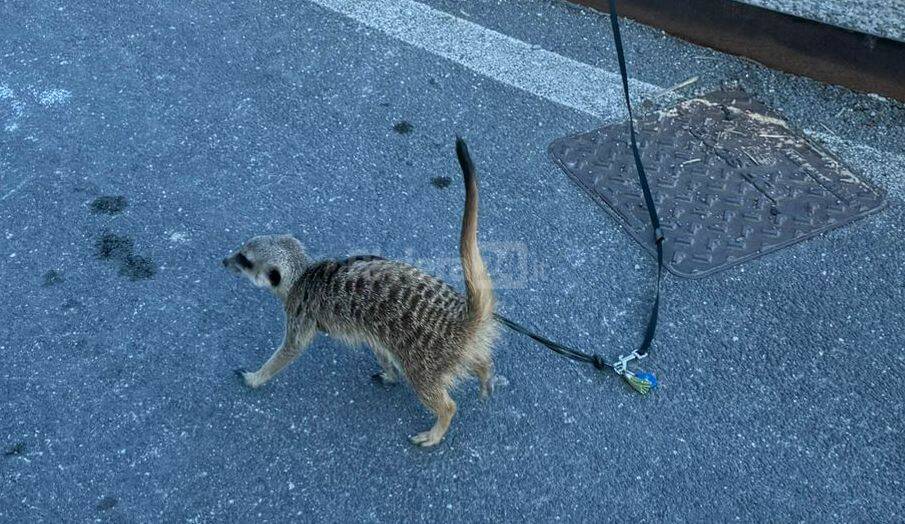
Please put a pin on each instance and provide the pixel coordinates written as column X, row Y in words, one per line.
column 483, row 369
column 444, row 407
column 389, row 372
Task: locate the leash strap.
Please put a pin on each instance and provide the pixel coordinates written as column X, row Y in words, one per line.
column 645, row 187
column 641, row 381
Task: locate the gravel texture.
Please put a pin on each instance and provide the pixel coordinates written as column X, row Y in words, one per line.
column 782, row 380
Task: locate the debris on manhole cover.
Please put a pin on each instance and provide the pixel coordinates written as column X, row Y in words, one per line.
column 731, row 180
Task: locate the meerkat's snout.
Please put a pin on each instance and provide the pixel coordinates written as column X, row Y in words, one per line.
column 229, row 264
column 238, row 263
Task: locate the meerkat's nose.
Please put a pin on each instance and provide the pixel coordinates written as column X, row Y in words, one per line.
column 226, row 262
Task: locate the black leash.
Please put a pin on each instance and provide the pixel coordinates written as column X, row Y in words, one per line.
column 642, row 382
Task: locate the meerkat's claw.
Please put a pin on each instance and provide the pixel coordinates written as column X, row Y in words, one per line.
column 426, row 439
column 383, row 378
column 247, row 378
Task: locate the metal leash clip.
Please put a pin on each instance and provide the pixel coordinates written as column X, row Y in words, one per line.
column 621, row 364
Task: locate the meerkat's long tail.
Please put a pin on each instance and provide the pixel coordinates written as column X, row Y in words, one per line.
column 479, row 288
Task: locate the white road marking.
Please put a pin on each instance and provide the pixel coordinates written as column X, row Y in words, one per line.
column 492, row 54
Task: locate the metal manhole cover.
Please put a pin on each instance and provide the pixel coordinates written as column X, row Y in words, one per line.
column 732, row 181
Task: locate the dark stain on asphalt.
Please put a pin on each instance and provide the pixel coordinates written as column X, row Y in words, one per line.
column 109, row 205
column 441, row 182
column 17, row 450
column 137, row 267
column 112, row 246
column 121, row 249
column 52, row 278
column 403, row 128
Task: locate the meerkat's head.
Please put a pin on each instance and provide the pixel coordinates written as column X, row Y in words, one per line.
column 272, row 261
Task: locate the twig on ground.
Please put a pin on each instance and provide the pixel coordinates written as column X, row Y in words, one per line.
column 680, row 85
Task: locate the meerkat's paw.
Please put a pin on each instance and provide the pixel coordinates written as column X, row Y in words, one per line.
column 248, row 378
column 486, row 389
column 426, row 439
column 384, row 379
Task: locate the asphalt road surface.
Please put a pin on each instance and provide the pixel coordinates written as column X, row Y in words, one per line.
column 140, row 143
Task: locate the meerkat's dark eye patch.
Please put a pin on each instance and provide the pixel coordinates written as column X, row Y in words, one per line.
column 243, row 261
column 274, row 277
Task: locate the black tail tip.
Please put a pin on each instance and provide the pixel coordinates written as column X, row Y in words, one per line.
column 461, row 146
column 464, row 158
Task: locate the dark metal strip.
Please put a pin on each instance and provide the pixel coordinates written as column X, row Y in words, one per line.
column 789, row 43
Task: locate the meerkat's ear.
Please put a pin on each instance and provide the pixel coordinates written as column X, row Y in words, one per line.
column 273, row 275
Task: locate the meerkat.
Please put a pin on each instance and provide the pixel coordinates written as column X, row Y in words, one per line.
column 419, row 327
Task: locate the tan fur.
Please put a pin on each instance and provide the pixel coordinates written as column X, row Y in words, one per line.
column 477, row 280
column 419, row 328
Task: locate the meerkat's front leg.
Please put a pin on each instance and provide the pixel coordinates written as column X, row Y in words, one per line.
column 297, row 339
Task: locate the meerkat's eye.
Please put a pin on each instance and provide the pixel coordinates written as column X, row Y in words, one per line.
column 243, row 261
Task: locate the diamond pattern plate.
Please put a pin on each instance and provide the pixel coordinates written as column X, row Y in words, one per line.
column 731, row 180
